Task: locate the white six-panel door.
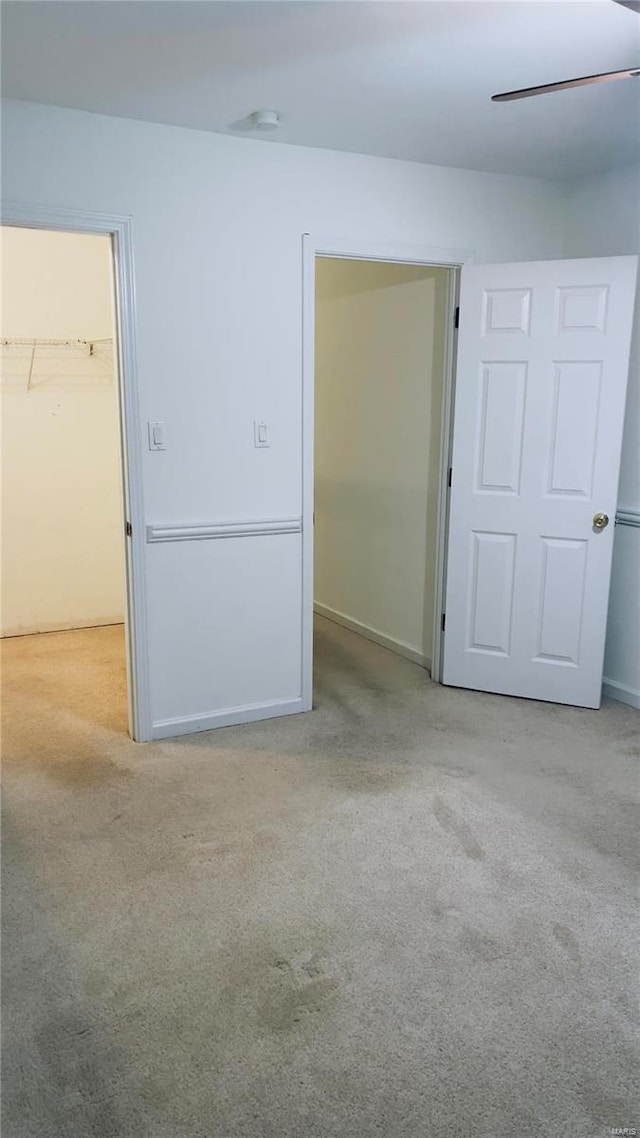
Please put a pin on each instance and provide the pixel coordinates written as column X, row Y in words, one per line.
column 543, row 358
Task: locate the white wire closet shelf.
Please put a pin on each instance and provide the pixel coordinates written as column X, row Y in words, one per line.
column 34, row 362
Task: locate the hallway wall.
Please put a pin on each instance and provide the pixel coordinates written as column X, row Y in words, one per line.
column 62, row 548
column 379, row 366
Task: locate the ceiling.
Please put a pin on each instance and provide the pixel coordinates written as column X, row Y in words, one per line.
column 398, row 78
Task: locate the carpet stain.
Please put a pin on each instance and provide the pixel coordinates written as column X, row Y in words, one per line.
column 482, row 946
column 454, row 772
column 567, row 940
column 266, row 842
column 72, row 764
column 443, row 911
column 362, row 777
column 457, row 826
column 302, row 989
column 88, row 772
column 507, row 876
column 214, row 850
column 608, row 1109
column 202, row 850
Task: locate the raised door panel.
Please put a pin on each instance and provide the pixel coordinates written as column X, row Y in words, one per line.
column 582, row 308
column 561, row 608
column 500, row 427
column 573, row 427
column 491, row 592
column 506, row 310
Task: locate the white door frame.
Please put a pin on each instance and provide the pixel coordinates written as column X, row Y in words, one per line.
column 119, row 229
column 395, row 253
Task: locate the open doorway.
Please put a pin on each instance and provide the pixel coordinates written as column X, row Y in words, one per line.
column 382, row 358
column 525, row 499
column 64, row 592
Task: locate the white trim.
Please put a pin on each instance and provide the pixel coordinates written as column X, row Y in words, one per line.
column 446, row 446
column 197, row 531
column 400, row 647
column 231, row 717
column 627, row 518
column 358, row 249
column 395, row 252
column 622, row 692
column 119, row 228
column 47, row 629
column 308, row 475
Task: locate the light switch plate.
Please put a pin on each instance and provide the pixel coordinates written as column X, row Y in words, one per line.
column 157, row 435
column 260, row 433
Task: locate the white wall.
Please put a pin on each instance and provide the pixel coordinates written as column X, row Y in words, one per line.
column 603, row 219
column 62, row 545
column 217, row 245
column 379, row 383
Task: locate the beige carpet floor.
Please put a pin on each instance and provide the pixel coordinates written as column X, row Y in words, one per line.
column 410, row 912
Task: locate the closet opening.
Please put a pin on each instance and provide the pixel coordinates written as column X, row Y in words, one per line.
column 383, row 358
column 64, row 562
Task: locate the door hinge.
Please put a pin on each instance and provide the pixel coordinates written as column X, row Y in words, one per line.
column 127, row 529
column 444, row 621
column 449, row 476
column 456, row 322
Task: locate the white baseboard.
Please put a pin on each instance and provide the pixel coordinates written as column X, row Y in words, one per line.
column 621, row 692
column 397, row 646
column 230, row 717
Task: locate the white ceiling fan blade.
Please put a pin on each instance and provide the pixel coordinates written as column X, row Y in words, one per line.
column 634, row 5
column 583, row 81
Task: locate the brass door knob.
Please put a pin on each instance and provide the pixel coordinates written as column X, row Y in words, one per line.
column 600, row 521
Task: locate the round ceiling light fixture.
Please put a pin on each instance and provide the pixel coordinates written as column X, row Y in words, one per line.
column 264, row 120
